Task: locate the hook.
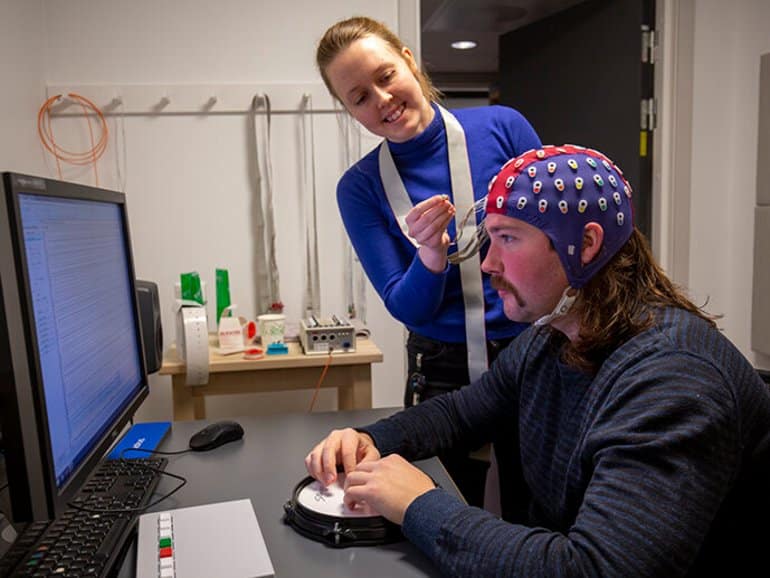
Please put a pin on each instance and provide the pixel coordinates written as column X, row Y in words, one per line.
column 63, row 100
column 209, row 104
column 114, row 103
column 161, row 104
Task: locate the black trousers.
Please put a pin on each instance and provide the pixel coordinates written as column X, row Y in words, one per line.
column 437, row 367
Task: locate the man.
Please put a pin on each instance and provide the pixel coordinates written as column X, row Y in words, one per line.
column 644, row 434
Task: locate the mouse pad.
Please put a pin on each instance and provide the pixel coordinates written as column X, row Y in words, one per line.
column 146, row 436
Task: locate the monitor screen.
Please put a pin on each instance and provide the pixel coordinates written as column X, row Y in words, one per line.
column 73, row 284
column 81, row 301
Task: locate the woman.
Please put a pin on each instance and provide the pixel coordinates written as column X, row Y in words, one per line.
column 399, row 203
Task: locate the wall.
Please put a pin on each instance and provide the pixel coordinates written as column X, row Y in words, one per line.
column 183, row 175
column 21, row 36
column 186, row 176
column 728, row 41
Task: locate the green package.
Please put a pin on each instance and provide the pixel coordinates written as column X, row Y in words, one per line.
column 223, row 291
column 191, row 288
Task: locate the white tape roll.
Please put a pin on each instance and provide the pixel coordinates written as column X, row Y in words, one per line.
column 193, row 344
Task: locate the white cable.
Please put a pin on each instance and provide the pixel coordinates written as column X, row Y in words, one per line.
column 261, row 297
column 354, row 277
column 358, row 268
column 122, row 175
column 359, row 276
column 266, row 277
column 312, row 297
column 348, row 255
column 274, row 279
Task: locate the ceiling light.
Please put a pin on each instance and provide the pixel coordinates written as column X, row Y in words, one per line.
column 464, row 44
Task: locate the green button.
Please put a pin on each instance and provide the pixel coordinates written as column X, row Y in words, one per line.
column 164, row 542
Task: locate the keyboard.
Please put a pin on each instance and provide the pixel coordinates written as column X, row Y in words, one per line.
column 82, row 543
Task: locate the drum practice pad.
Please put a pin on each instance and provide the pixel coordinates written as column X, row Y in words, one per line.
column 319, row 513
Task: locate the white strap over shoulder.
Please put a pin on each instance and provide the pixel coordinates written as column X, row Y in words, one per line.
column 462, row 197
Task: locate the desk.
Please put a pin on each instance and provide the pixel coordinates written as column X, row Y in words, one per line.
column 264, row 467
column 349, row 373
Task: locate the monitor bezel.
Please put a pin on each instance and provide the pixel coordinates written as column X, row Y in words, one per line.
column 15, row 184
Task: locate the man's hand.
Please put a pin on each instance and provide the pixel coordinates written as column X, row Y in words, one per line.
column 427, row 224
column 388, row 486
column 347, row 447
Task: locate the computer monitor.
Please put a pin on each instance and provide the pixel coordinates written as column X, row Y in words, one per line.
column 72, row 370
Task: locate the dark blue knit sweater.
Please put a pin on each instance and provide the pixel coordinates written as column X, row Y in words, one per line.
column 656, row 466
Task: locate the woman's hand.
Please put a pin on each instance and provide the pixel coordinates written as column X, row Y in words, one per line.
column 388, row 486
column 347, row 447
column 427, row 224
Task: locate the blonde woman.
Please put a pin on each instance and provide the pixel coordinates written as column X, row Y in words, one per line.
column 398, row 204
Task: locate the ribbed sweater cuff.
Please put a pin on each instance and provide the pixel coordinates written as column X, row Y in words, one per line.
column 425, row 516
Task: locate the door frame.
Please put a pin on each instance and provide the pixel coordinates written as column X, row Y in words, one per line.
column 671, row 191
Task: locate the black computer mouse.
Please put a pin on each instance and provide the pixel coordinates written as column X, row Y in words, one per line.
column 215, row 434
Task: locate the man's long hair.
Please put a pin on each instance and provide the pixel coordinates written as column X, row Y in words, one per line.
column 619, row 302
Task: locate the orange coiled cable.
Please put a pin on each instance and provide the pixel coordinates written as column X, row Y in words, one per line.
column 45, row 131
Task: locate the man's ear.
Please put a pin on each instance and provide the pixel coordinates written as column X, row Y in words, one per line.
column 593, row 237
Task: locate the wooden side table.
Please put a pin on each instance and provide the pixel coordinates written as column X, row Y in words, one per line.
column 349, row 373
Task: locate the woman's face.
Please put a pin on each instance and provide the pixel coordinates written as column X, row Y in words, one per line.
column 378, row 86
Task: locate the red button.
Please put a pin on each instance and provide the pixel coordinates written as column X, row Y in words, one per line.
column 166, row 552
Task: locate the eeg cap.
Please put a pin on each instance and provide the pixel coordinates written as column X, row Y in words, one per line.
column 559, row 189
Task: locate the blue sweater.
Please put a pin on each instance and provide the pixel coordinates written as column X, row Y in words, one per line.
column 657, row 466
column 427, row 303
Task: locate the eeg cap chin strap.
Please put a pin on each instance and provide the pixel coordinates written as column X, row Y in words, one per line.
column 562, row 307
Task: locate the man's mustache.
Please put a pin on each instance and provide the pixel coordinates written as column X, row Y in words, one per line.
column 501, row 284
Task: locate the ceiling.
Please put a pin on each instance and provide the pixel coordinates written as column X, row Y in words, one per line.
column 483, row 21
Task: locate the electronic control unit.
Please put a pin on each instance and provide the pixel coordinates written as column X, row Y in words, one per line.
column 324, row 335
